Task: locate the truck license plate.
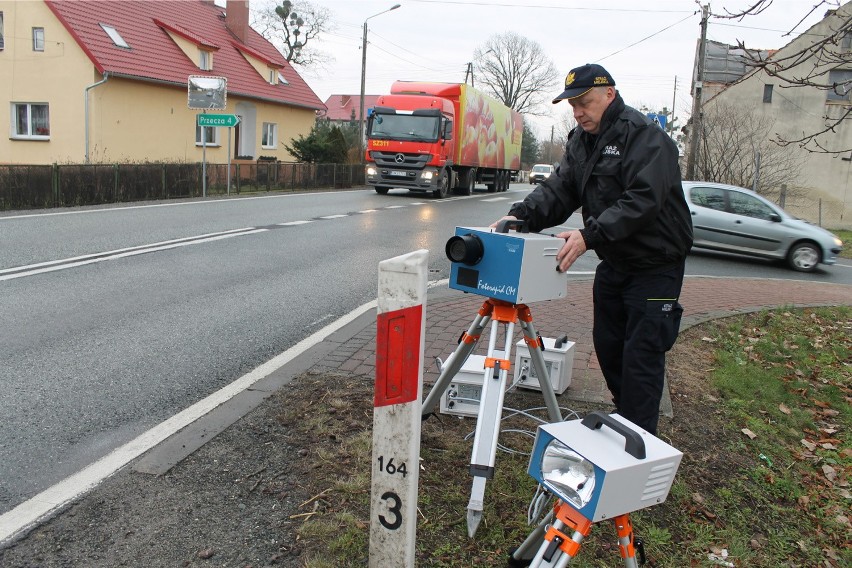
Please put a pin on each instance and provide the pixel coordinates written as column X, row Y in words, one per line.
column 398, row 173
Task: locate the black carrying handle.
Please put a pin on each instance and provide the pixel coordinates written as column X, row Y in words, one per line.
column 504, row 225
column 633, row 443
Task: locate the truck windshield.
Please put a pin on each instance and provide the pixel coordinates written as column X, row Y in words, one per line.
column 404, row 127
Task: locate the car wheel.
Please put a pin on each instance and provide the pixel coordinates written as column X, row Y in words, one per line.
column 804, row 256
column 443, row 185
column 382, row 190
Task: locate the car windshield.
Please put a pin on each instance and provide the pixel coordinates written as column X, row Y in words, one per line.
column 404, row 127
column 541, row 168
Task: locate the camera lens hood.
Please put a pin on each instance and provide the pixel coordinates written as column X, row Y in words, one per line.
column 467, row 249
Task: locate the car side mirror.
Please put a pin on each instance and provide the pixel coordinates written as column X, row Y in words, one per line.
column 775, row 218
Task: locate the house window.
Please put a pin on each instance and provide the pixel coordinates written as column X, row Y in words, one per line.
column 842, row 81
column 114, row 36
column 30, row 120
column 211, row 134
column 205, row 60
column 272, row 76
column 282, row 80
column 1, row 31
column 846, row 41
column 767, row 93
column 269, row 136
column 38, row 39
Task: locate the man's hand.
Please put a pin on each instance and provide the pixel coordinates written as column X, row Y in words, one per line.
column 506, row 218
column 573, row 248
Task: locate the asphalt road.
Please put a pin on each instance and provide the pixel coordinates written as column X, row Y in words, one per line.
column 117, row 318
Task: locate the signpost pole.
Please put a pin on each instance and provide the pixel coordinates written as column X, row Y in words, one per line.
column 203, row 161
column 229, row 161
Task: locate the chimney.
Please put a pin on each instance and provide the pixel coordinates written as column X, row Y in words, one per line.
column 237, row 18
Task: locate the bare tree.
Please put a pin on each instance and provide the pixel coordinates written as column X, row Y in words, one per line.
column 516, row 71
column 809, row 66
column 291, row 27
column 735, row 145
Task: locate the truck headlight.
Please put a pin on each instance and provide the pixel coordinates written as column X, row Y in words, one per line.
column 371, row 171
column 568, row 474
column 426, row 175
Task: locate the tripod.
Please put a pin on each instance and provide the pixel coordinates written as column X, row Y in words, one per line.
column 493, row 388
column 559, row 548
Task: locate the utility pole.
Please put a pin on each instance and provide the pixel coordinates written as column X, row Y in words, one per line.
column 695, row 131
column 674, row 100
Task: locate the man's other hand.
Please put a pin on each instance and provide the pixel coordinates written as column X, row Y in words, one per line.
column 573, row 248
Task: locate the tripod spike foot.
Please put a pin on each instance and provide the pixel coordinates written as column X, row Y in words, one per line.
column 473, row 519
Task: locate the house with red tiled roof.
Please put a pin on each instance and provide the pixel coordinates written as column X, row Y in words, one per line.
column 347, row 108
column 108, row 80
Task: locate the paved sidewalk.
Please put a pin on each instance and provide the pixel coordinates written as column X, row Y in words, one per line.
column 449, row 313
column 208, row 502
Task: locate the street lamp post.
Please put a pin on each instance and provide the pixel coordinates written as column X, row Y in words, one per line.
column 363, row 79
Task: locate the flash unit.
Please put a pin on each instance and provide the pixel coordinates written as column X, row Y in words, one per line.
column 600, row 471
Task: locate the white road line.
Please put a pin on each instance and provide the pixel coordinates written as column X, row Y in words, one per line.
column 31, row 512
column 496, row 199
column 334, row 216
column 294, row 223
column 54, row 265
column 395, row 207
column 178, row 204
column 369, row 211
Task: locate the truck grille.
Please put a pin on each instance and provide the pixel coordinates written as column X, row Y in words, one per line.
column 400, row 160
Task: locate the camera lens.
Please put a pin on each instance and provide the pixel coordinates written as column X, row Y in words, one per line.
column 466, row 249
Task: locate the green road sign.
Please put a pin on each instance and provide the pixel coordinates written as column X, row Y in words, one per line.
column 227, row 120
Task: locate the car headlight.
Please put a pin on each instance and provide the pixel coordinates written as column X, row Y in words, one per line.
column 568, row 474
column 838, row 242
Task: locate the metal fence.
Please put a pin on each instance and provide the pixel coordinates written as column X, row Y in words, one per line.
column 827, row 213
column 64, row 185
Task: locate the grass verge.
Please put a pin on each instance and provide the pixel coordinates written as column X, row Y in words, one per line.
column 761, row 411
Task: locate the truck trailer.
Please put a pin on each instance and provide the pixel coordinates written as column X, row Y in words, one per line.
column 437, row 137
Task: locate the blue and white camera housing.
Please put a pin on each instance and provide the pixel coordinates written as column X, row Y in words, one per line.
column 514, row 266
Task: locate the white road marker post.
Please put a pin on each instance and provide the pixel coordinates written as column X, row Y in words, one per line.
column 400, row 333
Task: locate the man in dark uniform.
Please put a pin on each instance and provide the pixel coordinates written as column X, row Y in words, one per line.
column 623, row 171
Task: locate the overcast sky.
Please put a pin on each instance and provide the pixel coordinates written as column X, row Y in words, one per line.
column 646, row 45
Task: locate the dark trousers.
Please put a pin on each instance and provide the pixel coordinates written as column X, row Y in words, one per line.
column 636, row 320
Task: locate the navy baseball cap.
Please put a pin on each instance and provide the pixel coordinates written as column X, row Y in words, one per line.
column 582, row 79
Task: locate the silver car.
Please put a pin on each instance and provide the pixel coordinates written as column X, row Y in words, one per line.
column 732, row 219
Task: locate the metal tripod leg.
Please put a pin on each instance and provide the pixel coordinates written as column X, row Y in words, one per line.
column 534, row 345
column 455, row 361
column 527, row 548
column 488, row 422
column 558, row 549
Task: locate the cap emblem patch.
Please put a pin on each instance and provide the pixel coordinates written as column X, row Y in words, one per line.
column 569, row 79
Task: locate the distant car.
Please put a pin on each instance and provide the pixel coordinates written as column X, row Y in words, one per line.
column 540, row 172
column 733, row 219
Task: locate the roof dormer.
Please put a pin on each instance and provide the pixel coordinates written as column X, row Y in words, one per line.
column 266, row 67
column 198, row 49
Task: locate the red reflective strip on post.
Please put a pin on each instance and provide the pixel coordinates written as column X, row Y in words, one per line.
column 397, row 356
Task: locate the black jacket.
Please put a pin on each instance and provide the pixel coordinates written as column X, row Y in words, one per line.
column 627, row 181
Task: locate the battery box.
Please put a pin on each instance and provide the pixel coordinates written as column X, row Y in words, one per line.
column 462, row 396
column 558, row 358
